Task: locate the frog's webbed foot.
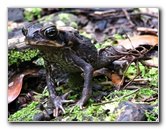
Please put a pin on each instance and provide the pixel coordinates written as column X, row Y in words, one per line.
column 58, row 102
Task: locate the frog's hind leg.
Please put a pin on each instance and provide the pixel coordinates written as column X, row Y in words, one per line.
column 57, row 101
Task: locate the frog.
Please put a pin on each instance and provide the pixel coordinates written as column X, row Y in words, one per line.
column 65, row 51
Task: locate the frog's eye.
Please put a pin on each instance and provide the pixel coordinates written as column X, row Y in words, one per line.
column 51, row 32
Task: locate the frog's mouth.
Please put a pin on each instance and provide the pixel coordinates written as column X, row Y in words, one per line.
column 43, row 42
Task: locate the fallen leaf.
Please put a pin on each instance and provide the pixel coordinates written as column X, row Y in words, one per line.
column 116, row 79
column 139, row 40
column 99, row 36
column 15, row 84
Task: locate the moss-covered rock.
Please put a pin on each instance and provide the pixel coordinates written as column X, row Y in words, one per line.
column 66, row 19
column 26, row 114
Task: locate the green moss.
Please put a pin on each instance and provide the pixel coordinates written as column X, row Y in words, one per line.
column 112, row 114
column 151, row 116
column 86, row 35
column 30, row 13
column 64, row 17
column 26, row 114
column 118, row 36
column 15, row 56
column 74, row 25
column 147, row 73
column 117, row 94
column 91, row 113
column 59, row 23
column 67, row 19
column 106, row 43
column 147, row 92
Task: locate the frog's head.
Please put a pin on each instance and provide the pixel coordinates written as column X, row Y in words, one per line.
column 45, row 36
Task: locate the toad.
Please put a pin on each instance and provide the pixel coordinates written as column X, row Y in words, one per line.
column 65, row 51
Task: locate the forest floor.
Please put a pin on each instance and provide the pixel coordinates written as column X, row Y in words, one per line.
column 136, row 99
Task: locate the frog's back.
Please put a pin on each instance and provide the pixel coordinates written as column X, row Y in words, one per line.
column 86, row 50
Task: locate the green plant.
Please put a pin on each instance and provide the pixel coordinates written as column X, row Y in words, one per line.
column 15, row 56
column 26, row 114
column 118, row 36
column 74, row 25
column 59, row 23
column 86, row 35
column 64, row 17
column 145, row 72
column 151, row 116
column 30, row 13
column 147, row 92
column 91, row 113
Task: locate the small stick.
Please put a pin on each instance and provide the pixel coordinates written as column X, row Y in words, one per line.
column 128, row 17
column 149, row 64
column 118, row 98
column 138, row 72
column 126, row 71
column 145, row 29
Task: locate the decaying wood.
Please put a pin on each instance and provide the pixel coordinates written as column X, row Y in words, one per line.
column 17, row 43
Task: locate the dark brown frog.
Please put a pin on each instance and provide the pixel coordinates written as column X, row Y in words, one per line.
column 66, row 51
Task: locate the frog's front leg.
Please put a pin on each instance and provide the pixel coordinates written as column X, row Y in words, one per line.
column 88, row 75
column 57, row 101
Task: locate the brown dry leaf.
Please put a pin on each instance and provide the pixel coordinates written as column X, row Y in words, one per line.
column 15, row 84
column 116, row 79
column 99, row 36
column 139, row 40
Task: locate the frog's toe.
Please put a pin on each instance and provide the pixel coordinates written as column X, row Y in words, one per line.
column 78, row 104
column 58, row 102
column 66, row 94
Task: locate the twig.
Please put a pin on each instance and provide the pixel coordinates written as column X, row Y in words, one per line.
column 105, row 13
column 130, row 14
column 145, row 29
column 140, row 80
column 118, row 98
column 130, row 81
column 108, row 12
column 138, row 72
column 128, row 39
column 149, row 64
column 126, row 71
column 128, row 17
column 106, row 83
column 150, row 99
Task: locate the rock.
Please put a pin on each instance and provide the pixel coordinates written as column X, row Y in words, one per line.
column 15, row 15
column 132, row 112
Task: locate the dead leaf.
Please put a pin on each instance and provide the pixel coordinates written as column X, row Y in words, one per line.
column 15, row 84
column 139, row 40
column 116, row 79
column 99, row 36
